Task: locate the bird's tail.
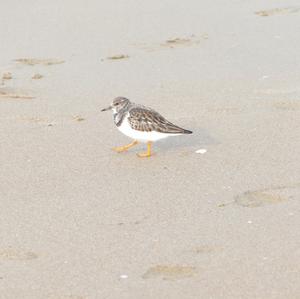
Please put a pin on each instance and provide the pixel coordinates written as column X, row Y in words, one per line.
column 187, row 131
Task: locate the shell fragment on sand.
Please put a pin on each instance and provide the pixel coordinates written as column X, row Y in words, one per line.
column 201, row 151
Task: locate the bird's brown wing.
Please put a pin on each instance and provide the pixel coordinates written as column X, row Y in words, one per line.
column 147, row 120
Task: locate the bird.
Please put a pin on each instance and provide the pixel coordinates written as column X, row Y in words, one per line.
column 142, row 124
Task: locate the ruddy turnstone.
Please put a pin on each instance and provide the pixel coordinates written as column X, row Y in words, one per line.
column 141, row 124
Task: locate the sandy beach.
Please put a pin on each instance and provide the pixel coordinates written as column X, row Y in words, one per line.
column 211, row 215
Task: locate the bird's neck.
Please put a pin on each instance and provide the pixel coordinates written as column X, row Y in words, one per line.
column 118, row 117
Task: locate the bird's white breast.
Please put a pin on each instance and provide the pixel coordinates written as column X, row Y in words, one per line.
column 126, row 129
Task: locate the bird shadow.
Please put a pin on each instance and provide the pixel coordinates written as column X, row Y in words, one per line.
column 200, row 138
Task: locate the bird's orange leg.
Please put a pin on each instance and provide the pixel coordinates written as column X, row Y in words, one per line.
column 148, row 153
column 124, row 148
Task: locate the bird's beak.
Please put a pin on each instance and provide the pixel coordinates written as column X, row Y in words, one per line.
column 105, row 109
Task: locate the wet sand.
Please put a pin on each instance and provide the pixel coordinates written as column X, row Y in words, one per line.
column 210, row 215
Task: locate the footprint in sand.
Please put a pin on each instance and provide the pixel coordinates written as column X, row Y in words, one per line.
column 260, row 198
column 37, row 76
column 118, row 57
column 265, row 197
column 6, row 76
column 253, row 199
column 178, row 42
column 67, row 297
column 206, row 249
column 16, row 255
column 278, row 92
column 34, row 119
column 173, row 43
column 34, row 61
column 10, row 93
column 170, row 272
column 50, row 122
column 287, row 105
column 277, row 11
column 78, row 118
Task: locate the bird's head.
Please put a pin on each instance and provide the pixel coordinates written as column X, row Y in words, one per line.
column 117, row 104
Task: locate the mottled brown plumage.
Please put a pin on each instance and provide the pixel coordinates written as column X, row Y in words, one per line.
column 145, row 119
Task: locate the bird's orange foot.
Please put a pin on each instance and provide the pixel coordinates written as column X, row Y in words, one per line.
column 120, row 149
column 148, row 153
column 144, row 155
